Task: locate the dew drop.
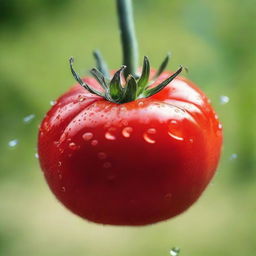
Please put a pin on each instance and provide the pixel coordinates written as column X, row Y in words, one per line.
column 126, row 132
column 102, row 155
column 175, row 131
column 224, row 99
column 148, row 139
column 81, row 98
column 109, row 136
column 107, row 165
column 94, row 143
column 73, row 146
column 87, row 136
column 175, row 251
column 13, row 143
column 28, row 118
column 140, row 104
column 151, row 131
column 173, row 122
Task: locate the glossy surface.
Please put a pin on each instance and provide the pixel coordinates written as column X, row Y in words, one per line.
column 130, row 164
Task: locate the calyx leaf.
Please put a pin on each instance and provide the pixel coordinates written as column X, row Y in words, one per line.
column 133, row 87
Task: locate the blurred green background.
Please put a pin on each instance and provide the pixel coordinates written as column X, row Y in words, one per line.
column 214, row 39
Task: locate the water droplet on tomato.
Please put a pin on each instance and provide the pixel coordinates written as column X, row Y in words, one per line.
column 176, row 137
column 87, row 136
column 13, row 143
column 36, row 155
column 224, row 99
column 126, row 132
column 123, row 108
column 109, row 136
column 60, row 176
column 148, row 136
column 63, row 189
column 173, row 122
column 59, row 163
column 220, row 126
column 191, row 140
column 28, row 118
column 107, row 165
column 73, row 146
column 175, row 130
column 151, row 131
column 175, row 251
column 81, row 98
column 102, row 155
column 94, row 143
column 140, row 103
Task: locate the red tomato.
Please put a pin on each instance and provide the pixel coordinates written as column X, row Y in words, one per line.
column 134, row 163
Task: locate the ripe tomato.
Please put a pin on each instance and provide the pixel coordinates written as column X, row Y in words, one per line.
column 134, row 163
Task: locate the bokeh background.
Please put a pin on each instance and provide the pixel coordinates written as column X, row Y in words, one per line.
column 214, row 39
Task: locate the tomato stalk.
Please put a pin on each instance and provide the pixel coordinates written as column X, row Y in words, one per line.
column 128, row 37
column 133, row 86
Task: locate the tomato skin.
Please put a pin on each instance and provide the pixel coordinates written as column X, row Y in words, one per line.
column 130, row 164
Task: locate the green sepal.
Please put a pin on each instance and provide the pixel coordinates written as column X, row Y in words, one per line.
column 143, row 80
column 156, row 89
column 101, row 64
column 80, row 81
column 115, row 87
column 162, row 66
column 130, row 91
column 99, row 77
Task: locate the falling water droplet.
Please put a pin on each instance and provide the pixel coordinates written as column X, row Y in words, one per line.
column 52, row 102
column 126, row 132
column 13, row 143
column 175, row 251
column 28, row 118
column 109, row 136
column 233, row 156
column 224, row 99
column 94, row 143
column 102, row 155
column 87, row 136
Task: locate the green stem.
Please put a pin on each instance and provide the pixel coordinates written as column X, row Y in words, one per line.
column 128, row 37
